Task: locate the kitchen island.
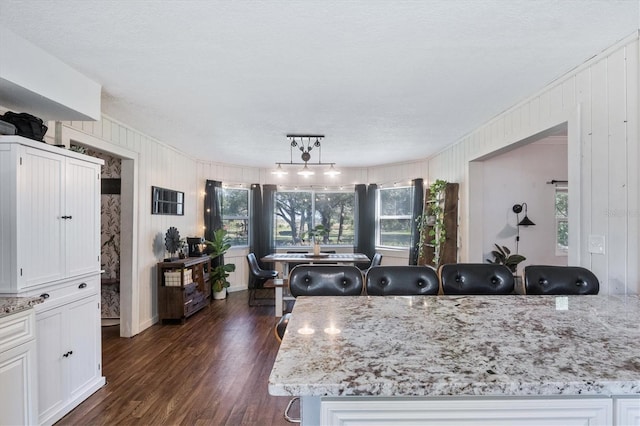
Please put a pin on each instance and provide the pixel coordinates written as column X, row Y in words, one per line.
column 463, row 360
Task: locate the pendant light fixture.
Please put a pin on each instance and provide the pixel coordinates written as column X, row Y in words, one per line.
column 305, row 143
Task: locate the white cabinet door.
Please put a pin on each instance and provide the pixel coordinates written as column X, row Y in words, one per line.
column 69, row 353
column 465, row 411
column 40, row 226
column 49, row 217
column 84, row 344
column 17, row 405
column 82, row 209
column 51, row 348
column 18, row 383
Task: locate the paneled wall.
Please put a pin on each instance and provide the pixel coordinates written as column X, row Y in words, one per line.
column 599, row 102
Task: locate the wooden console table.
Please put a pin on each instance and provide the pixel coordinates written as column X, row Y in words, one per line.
column 183, row 287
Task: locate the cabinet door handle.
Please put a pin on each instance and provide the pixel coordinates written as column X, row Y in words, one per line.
column 83, row 285
column 67, row 354
column 67, row 217
column 45, row 296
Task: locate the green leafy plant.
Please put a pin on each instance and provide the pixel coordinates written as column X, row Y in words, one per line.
column 502, row 256
column 431, row 222
column 317, row 233
column 220, row 271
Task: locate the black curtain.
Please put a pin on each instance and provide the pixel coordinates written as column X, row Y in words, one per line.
column 212, row 215
column 267, row 226
column 212, row 208
column 366, row 213
column 361, row 218
column 418, row 202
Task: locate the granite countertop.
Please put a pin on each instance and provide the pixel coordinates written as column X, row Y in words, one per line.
column 11, row 305
column 460, row 345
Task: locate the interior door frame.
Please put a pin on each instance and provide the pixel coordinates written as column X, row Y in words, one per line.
column 129, row 293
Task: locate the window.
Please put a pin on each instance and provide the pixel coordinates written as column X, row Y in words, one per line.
column 394, row 213
column 562, row 220
column 235, row 215
column 298, row 211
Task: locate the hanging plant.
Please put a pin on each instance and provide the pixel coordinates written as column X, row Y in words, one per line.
column 431, row 222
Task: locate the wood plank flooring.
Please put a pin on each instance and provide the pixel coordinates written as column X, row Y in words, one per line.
column 212, row 370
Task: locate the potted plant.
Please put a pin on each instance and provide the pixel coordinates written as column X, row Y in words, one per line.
column 502, row 256
column 220, row 271
column 317, row 233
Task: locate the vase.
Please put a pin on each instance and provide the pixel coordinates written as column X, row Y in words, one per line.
column 219, row 295
column 316, row 249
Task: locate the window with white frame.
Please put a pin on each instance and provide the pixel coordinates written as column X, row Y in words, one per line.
column 235, row 215
column 562, row 220
column 296, row 212
column 394, row 216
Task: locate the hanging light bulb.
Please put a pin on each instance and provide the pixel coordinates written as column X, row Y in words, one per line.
column 279, row 171
column 332, row 171
column 306, row 171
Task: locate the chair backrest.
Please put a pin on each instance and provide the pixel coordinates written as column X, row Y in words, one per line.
column 541, row 279
column 476, row 278
column 325, row 280
column 254, row 266
column 377, row 259
column 402, row 280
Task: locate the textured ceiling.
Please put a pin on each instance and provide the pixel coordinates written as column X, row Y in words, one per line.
column 385, row 81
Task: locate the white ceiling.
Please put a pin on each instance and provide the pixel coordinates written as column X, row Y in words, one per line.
column 385, row 81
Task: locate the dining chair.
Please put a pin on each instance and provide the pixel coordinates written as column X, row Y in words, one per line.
column 559, row 280
column 325, row 280
column 257, row 278
column 402, row 280
column 476, row 278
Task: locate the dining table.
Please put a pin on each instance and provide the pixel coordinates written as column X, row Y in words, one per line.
column 285, row 259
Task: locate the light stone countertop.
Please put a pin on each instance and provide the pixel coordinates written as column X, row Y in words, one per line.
column 460, row 345
column 11, row 305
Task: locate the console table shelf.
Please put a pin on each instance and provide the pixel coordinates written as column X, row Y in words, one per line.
column 183, row 287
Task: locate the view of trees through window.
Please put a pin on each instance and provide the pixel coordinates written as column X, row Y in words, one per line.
column 394, row 217
column 235, row 215
column 562, row 220
column 299, row 211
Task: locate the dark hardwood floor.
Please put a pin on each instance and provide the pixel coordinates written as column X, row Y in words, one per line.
column 212, row 370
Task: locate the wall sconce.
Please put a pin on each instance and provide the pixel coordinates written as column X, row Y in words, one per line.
column 517, row 209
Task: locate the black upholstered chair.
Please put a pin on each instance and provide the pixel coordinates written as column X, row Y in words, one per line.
column 325, row 280
column 281, row 326
column 476, row 278
column 258, row 275
column 560, row 280
column 402, row 280
column 376, row 260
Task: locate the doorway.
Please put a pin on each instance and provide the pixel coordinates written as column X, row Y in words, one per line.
column 522, row 172
column 128, row 229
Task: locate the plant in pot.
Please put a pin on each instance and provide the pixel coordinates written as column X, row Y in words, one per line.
column 317, row 234
column 502, row 256
column 220, row 271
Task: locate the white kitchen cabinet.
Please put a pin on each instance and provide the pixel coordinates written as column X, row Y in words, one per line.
column 466, row 411
column 50, row 208
column 18, row 395
column 50, row 247
column 69, row 348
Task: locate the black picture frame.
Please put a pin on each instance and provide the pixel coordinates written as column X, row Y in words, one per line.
column 167, row 201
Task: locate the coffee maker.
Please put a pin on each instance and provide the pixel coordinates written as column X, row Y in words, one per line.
column 195, row 246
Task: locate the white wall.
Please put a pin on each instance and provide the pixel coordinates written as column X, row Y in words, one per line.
column 521, row 176
column 599, row 103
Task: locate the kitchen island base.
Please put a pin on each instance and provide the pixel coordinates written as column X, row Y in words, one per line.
column 476, row 411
